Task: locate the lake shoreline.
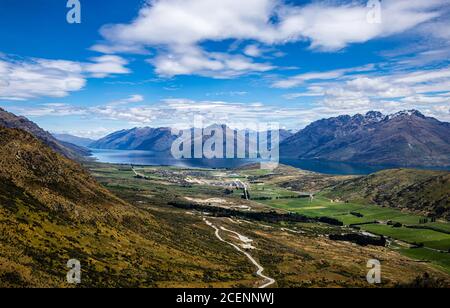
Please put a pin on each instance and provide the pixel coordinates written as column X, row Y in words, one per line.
column 146, row 158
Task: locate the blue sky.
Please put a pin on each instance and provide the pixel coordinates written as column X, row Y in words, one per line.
column 159, row 63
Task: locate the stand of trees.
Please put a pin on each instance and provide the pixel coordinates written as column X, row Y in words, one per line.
column 270, row 217
column 360, row 239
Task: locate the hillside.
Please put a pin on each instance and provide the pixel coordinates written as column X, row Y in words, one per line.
column 145, row 139
column 404, row 139
column 425, row 192
column 51, row 210
column 69, row 150
column 284, row 134
column 58, row 183
column 45, row 200
column 159, row 140
column 79, row 141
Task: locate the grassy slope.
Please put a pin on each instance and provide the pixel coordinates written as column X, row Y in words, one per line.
column 9, row 120
column 322, row 206
column 294, row 260
column 435, row 237
column 51, row 211
column 427, row 192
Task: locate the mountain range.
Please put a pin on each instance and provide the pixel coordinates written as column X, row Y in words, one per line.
column 145, row 139
column 407, row 138
column 52, row 210
column 79, row 141
column 69, row 150
column 159, row 140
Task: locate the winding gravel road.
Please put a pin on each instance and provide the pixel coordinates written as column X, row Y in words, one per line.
column 267, row 280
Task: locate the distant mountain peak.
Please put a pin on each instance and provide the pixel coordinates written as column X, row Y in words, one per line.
column 405, row 138
column 76, row 140
column 375, row 115
column 407, row 113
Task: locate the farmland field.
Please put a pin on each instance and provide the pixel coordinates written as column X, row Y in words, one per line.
column 438, row 259
column 169, row 183
column 345, row 212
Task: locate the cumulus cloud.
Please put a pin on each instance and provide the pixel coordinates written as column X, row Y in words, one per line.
column 326, row 24
column 23, row 79
column 109, row 49
column 332, row 27
column 385, row 89
column 426, row 76
column 188, row 22
column 252, row 51
column 93, row 134
column 135, row 98
column 106, row 65
column 300, row 79
column 53, row 109
column 177, row 28
column 378, row 87
column 180, row 113
column 194, row 60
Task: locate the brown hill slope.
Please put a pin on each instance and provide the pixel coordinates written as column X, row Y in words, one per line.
column 9, row 120
column 52, row 211
column 55, row 181
column 423, row 191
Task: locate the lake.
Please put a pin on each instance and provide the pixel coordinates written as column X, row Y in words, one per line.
column 148, row 159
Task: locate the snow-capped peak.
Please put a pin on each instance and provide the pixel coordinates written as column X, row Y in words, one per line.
column 406, row 113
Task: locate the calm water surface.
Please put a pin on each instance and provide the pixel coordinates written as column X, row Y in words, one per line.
column 149, row 159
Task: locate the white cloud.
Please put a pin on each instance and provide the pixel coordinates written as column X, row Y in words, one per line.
column 312, row 91
column 425, row 76
column 252, row 51
column 188, row 22
column 298, row 80
column 332, row 27
column 176, row 113
column 180, row 113
column 378, row 87
column 348, row 103
column 426, row 90
column 428, row 54
column 23, row 79
column 438, row 29
column 106, row 65
column 193, row 60
column 176, row 28
column 325, row 24
column 426, row 99
column 135, row 98
column 229, row 93
column 95, row 133
column 109, row 49
column 55, row 109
